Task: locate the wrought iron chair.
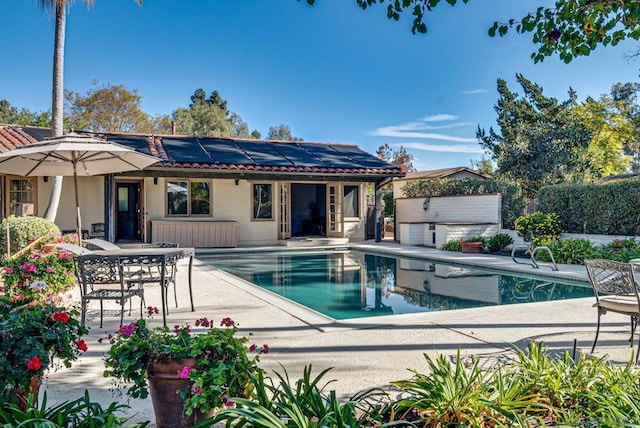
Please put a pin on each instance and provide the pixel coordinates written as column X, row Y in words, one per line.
column 103, row 277
column 616, row 290
column 170, row 269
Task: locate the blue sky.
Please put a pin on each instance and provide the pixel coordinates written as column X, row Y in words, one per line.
column 332, row 72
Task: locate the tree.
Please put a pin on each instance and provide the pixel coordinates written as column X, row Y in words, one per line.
column 281, row 132
column 202, row 119
column 625, row 97
column 57, row 100
column 610, row 133
column 23, row 116
column 569, row 29
column 398, row 157
column 541, row 141
column 108, row 108
column 484, row 165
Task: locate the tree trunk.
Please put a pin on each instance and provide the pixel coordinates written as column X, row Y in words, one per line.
column 57, row 108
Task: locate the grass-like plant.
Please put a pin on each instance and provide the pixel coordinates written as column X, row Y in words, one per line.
column 79, row 413
column 304, row 403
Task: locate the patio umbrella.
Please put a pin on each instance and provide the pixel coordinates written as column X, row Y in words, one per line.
column 72, row 155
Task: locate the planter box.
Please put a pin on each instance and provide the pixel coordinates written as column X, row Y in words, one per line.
column 471, row 247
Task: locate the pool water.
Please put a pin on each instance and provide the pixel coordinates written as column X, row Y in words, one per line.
column 353, row 284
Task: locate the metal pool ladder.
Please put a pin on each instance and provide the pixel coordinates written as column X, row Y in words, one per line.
column 533, row 261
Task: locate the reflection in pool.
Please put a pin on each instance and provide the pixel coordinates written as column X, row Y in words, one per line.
column 352, row 284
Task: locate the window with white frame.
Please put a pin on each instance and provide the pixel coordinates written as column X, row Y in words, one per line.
column 22, row 196
column 188, row 197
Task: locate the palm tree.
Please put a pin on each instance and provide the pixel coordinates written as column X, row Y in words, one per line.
column 59, row 7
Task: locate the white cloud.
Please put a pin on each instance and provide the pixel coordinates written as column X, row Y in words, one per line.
column 475, row 91
column 439, row 118
column 420, row 129
column 454, row 148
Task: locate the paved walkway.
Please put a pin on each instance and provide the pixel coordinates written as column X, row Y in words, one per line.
column 364, row 353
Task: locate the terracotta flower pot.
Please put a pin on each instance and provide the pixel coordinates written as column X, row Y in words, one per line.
column 471, row 247
column 23, row 396
column 164, row 386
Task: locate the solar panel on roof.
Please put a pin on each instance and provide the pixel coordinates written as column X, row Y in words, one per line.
column 297, row 154
column 263, row 154
column 185, row 149
column 37, row 133
column 329, row 155
column 225, row 151
column 361, row 157
column 135, row 142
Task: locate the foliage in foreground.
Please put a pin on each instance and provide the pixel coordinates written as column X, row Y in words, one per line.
column 22, row 230
column 537, row 389
column 78, row 413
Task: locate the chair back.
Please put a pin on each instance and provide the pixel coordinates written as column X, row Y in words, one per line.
column 611, row 277
column 93, row 269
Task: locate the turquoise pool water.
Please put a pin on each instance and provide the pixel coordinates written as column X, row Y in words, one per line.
column 352, row 284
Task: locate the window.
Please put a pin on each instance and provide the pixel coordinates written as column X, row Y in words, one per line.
column 187, row 197
column 351, row 201
column 262, row 206
column 22, row 196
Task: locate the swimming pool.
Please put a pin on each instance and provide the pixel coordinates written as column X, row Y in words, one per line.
column 354, row 284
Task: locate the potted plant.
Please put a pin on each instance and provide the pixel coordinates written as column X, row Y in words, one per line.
column 190, row 374
column 36, row 334
column 475, row 244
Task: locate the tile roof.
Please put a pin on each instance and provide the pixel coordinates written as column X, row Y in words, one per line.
column 229, row 154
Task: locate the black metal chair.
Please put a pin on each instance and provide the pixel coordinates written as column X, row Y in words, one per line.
column 616, row 290
column 103, row 277
column 171, row 269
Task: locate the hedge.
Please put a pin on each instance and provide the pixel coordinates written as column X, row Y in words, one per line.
column 608, row 209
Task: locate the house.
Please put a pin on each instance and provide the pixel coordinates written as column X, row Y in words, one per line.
column 455, row 173
column 212, row 192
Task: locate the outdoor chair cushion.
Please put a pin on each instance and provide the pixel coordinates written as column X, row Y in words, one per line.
column 618, row 303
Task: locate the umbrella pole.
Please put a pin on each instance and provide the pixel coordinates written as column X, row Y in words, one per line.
column 78, row 219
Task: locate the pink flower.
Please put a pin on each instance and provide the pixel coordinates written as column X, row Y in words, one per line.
column 152, row 310
column 184, row 373
column 196, row 390
column 228, row 402
column 227, row 322
column 48, row 270
column 126, row 330
column 252, row 347
column 8, row 270
column 176, row 328
column 17, row 297
column 265, row 349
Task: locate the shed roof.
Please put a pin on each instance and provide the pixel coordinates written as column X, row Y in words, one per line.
column 231, row 155
column 442, row 173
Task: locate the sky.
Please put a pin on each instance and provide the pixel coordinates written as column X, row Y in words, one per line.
column 332, row 72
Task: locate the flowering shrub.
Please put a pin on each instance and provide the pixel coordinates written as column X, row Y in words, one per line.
column 538, row 227
column 34, row 336
column 40, row 268
column 222, row 370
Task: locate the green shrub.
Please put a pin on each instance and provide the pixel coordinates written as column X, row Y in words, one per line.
column 476, row 238
column 538, row 227
column 452, row 245
column 499, row 242
column 570, row 251
column 23, row 230
column 604, row 208
column 620, row 250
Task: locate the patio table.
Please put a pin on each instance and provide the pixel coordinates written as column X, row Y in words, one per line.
column 140, row 256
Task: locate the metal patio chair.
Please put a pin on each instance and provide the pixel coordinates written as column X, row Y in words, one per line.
column 170, row 269
column 616, row 290
column 103, row 277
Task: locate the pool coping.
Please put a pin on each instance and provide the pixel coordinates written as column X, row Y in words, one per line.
column 567, row 273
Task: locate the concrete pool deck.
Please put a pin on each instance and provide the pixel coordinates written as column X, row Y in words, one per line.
column 366, row 352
